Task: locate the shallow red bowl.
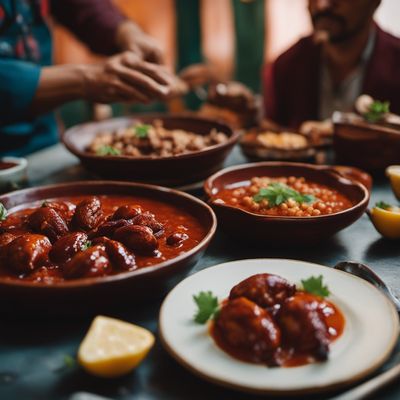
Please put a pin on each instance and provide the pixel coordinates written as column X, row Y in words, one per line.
column 276, row 230
column 175, row 170
column 100, row 293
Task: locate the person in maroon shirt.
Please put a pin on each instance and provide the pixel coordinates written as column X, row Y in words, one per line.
column 347, row 55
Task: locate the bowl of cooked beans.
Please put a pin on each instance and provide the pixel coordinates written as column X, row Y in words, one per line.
column 155, row 148
column 285, row 203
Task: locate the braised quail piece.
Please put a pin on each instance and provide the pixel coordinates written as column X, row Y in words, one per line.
column 47, row 221
column 65, row 208
column 303, row 326
column 121, row 258
column 88, row 214
column 66, row 247
column 126, row 212
column 108, row 228
column 148, row 219
column 176, row 239
column 137, row 238
column 266, row 290
column 89, row 263
column 249, row 329
column 28, row 252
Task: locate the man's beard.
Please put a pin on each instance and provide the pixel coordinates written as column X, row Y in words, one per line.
column 344, row 34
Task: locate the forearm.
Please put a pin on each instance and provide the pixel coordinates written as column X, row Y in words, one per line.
column 58, row 85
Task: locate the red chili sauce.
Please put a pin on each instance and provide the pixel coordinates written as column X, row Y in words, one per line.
column 177, row 232
column 7, row 165
column 278, row 201
column 296, row 332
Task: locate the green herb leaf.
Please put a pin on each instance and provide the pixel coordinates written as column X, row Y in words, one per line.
column 383, row 205
column 207, row 307
column 3, row 212
column 314, row 285
column 142, row 130
column 277, row 193
column 108, row 151
column 376, row 111
column 86, row 245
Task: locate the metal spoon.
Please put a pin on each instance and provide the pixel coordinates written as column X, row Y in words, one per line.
column 364, row 272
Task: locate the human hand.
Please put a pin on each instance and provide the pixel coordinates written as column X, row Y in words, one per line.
column 196, row 75
column 130, row 37
column 126, row 78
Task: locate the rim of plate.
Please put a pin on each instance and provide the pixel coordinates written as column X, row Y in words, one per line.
column 288, row 392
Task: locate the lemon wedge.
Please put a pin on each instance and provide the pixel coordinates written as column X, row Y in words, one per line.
column 393, row 173
column 387, row 222
column 113, row 348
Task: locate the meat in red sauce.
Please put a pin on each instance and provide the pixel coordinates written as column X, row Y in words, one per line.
column 266, row 320
column 88, row 236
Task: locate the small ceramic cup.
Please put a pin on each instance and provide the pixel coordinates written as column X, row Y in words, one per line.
column 13, row 173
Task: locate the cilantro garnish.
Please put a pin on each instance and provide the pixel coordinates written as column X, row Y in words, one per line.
column 108, row 151
column 86, row 245
column 376, row 111
column 207, row 307
column 141, row 130
column 383, row 205
column 314, row 285
column 277, row 193
column 3, row 212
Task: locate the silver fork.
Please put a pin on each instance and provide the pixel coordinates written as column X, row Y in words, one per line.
column 370, row 387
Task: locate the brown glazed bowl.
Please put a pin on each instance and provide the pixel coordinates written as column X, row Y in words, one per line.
column 172, row 171
column 276, row 230
column 89, row 295
column 368, row 146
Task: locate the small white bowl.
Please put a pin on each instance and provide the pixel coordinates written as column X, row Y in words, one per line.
column 12, row 178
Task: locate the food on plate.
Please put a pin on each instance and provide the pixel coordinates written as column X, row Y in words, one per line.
column 282, row 140
column 267, row 320
column 112, row 348
column 386, row 219
column 91, row 236
column 283, row 196
column 143, row 140
column 7, row 165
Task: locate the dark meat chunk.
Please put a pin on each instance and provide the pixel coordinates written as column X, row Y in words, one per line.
column 121, row 258
column 176, row 239
column 48, row 221
column 28, row 252
column 88, row 263
column 149, row 220
column 108, row 228
column 5, row 239
column 303, row 326
column 137, row 238
column 266, row 290
column 64, row 208
column 66, row 247
column 42, row 274
column 249, row 329
column 126, row 212
column 88, row 214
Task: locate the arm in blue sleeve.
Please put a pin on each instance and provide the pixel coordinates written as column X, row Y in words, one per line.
column 18, row 83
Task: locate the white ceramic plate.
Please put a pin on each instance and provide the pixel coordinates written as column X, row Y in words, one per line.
column 371, row 330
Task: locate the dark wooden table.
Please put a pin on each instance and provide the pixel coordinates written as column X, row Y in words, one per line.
column 32, row 352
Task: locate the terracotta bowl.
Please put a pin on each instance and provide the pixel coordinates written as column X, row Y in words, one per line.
column 100, row 293
column 275, row 230
column 171, row 171
column 368, row 146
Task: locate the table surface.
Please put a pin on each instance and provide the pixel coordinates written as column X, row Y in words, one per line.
column 32, row 353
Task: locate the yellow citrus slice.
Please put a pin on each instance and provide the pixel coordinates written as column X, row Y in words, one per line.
column 113, row 348
column 386, row 222
column 393, row 172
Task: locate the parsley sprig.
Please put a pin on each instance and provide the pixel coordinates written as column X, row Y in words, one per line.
column 141, row 130
column 3, row 212
column 376, row 111
column 207, row 307
column 86, row 245
column 383, row 205
column 277, row 193
column 314, row 285
column 108, row 151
